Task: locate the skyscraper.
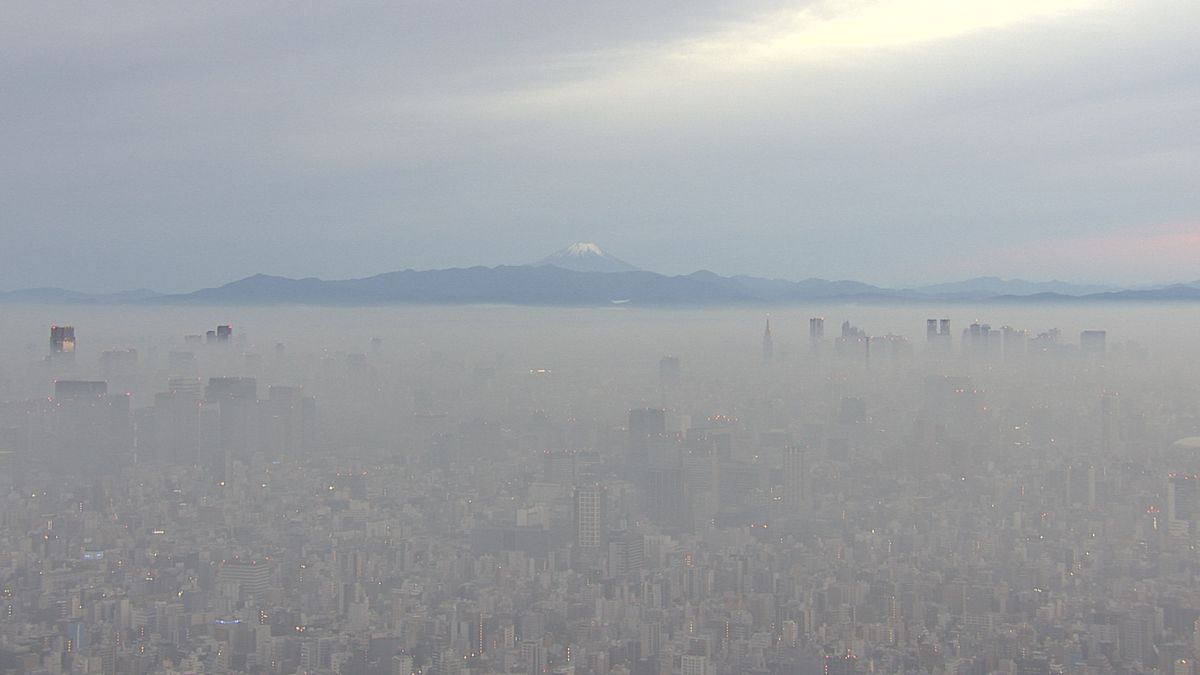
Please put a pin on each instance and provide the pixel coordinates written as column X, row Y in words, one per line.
column 816, row 332
column 1093, row 342
column 937, row 335
column 768, row 344
column 589, row 517
column 62, row 341
column 647, row 426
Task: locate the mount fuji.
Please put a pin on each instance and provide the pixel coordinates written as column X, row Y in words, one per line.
column 585, row 257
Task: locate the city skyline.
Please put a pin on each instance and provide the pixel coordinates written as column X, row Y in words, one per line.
column 704, row 337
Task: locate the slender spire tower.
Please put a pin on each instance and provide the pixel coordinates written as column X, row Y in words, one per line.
column 768, row 346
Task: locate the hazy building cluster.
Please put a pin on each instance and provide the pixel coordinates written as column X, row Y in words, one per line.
column 632, row 493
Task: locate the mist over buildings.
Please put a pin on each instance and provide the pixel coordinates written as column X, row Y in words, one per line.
column 888, row 365
column 521, row 490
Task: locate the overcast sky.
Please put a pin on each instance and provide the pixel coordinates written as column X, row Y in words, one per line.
column 182, row 145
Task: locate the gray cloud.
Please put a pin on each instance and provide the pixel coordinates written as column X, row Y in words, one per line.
column 183, row 145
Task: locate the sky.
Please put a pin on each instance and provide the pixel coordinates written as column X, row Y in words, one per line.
column 176, row 146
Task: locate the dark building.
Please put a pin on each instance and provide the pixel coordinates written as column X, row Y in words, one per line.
column 62, row 341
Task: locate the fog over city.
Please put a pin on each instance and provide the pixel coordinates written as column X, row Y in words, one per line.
column 814, row 337
column 498, row 489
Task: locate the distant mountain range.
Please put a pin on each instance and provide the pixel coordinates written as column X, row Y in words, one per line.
column 61, row 296
column 584, row 275
column 986, row 287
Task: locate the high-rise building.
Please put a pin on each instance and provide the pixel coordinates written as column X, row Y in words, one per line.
column 1093, row 342
column 224, row 333
column 231, row 388
column 286, row 418
column 235, row 400
column 119, row 367
column 444, row 662
column 816, row 332
column 533, row 654
column 76, row 389
column 91, row 428
column 647, row 427
column 252, row 577
column 768, row 344
column 1014, row 342
column 589, row 524
column 1183, row 497
column 62, row 341
column 626, row 554
column 174, row 435
column 937, row 335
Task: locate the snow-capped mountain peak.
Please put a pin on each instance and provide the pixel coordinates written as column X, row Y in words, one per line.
column 584, row 248
column 585, row 257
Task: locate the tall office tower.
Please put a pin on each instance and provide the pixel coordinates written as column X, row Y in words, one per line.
column 626, row 554
column 816, row 332
column 650, row 639
column 768, row 344
column 79, row 389
column 119, row 367
column 670, row 372
column 287, row 418
column 665, row 494
column 91, row 428
column 793, row 478
column 236, row 402
column 174, row 435
column 980, row 341
column 1015, row 342
column 589, row 521
column 1135, row 636
column 445, row 662
column 852, row 342
column 224, row 333
column 535, row 657
column 231, row 389
column 62, row 341
column 483, row 628
column 937, row 336
column 647, row 427
column 1093, row 342
column 1183, row 497
column 190, row 387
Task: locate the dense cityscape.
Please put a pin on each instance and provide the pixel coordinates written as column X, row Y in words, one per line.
column 312, row 361
column 977, row 500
